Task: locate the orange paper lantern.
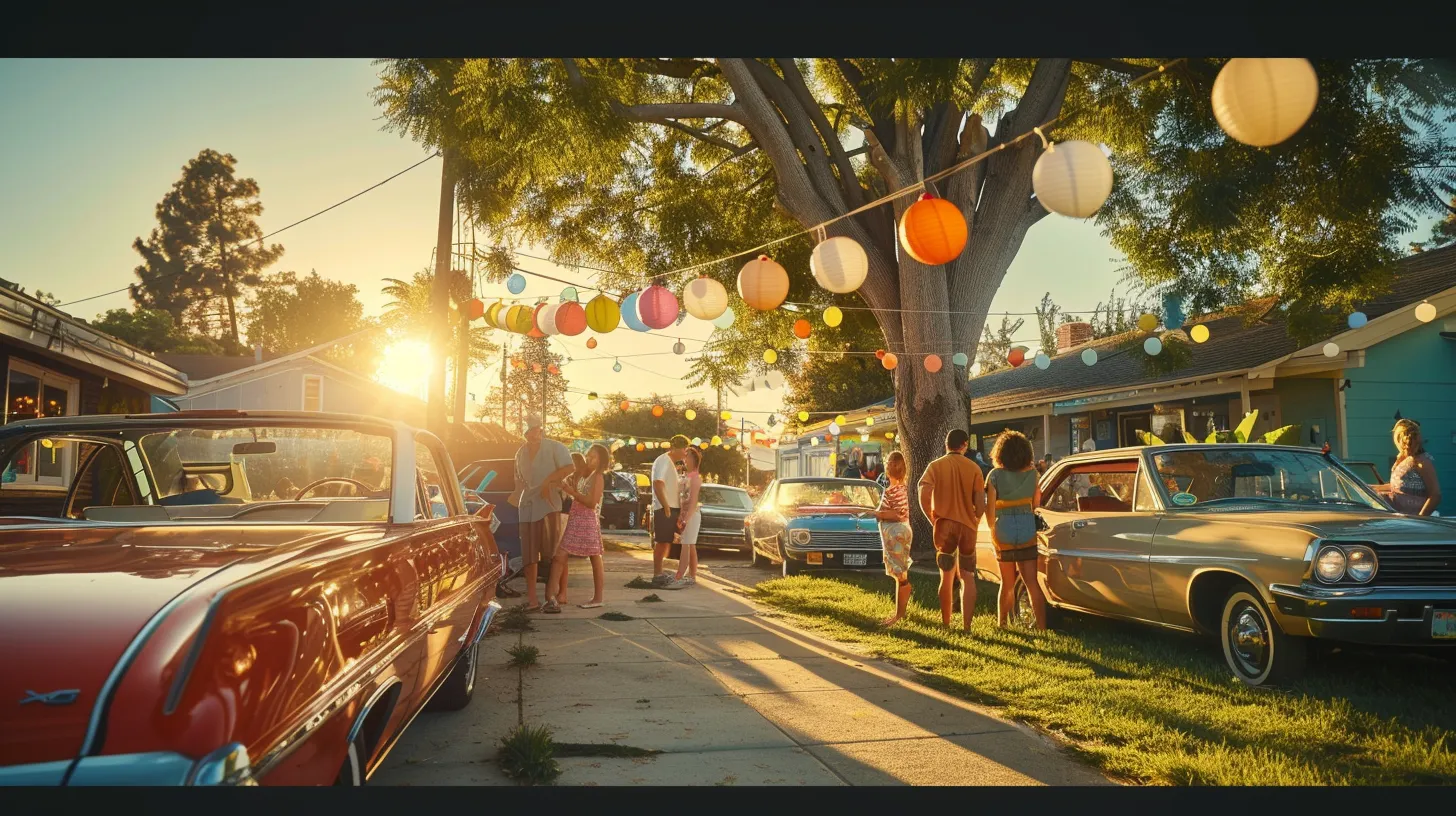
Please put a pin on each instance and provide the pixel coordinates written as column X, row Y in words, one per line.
column 1016, row 357
column 553, row 368
column 932, row 363
column 477, row 308
column 536, row 322
column 591, row 342
column 763, row 284
column 570, row 318
column 801, row 329
column 657, row 410
column 890, row 360
column 880, row 354
column 933, row 231
column 624, row 405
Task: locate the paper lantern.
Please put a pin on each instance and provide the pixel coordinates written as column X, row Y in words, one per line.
column 591, row 395
column 624, row 405
column 617, row 366
column 1173, row 316
column 1016, row 357
column 889, row 361
column 641, row 447
column 1199, row 333
column 717, row 440
column 571, row 319
column 1089, row 357
column 814, row 441
column 1262, row 102
column 933, row 231
column 1153, row 346
column 697, row 440
column 678, row 347
column 602, row 314
column 1357, row 319
column 516, row 283
column 889, row 434
column 932, row 363
column 801, row 329
column 492, row 314
column 518, row 319
column 536, row 321
column 591, row 342
column 726, row 415
column 880, row 354
column 569, row 294
column 1331, row 350
column 960, row 359
column 833, row 316
column 690, row 414
column 536, row 368
column 803, row 416
column 839, row 264
column 657, row 306
column 763, row 284
column 869, row 422
column 834, row 429
column 554, row 368
column 1147, row 322
column 1072, row 178
column 1042, row 361
column 704, row 446
column 724, row 320
column 630, row 314
column 1426, row 312
column 705, row 298
column 864, row 437
column 657, row 410
column 476, row 308
column 632, row 441
column 770, row 356
column 547, row 316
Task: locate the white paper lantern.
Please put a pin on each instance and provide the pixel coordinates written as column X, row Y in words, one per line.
column 547, row 320
column 1426, row 312
column 834, row 428
column 839, row 264
column 1072, row 179
column 1262, row 102
column 705, row 298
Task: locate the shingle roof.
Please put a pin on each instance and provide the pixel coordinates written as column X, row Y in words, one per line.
column 1233, row 344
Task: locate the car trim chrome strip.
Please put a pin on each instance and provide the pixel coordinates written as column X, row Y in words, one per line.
column 1197, row 559
column 1097, row 555
column 369, row 704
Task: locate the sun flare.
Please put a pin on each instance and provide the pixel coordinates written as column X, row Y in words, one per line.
column 405, row 367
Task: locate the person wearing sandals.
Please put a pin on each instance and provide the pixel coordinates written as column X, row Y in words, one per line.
column 691, row 522
column 583, row 536
column 1012, row 495
column 895, row 536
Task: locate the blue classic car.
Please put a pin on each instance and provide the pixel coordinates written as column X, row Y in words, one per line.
column 816, row 523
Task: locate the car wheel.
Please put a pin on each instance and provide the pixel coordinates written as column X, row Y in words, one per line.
column 351, row 773
column 1255, row 648
column 1025, row 615
column 455, row 694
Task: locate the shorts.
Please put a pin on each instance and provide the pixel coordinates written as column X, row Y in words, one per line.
column 664, row 525
column 1015, row 529
column 951, row 536
column 539, row 538
column 690, row 530
column 895, row 538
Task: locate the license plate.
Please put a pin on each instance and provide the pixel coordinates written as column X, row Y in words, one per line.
column 815, row 558
column 1443, row 625
column 855, row 559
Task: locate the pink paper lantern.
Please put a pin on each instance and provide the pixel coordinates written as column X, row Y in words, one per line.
column 657, row 306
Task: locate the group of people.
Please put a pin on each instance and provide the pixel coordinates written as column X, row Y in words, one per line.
column 547, row 475
column 676, row 513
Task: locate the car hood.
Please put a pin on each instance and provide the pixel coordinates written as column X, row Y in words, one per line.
column 73, row 598
column 718, row 510
column 836, row 520
column 1387, row 528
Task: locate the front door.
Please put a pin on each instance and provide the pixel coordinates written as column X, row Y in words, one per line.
column 1130, row 424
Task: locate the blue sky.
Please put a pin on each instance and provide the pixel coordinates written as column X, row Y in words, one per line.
column 92, row 145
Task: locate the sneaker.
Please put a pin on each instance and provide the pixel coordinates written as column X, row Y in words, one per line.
column 662, row 579
column 680, row 583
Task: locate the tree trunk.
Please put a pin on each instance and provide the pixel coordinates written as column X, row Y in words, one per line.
column 462, row 365
column 436, row 409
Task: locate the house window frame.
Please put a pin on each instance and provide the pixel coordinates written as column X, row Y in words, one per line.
column 72, row 387
column 304, row 395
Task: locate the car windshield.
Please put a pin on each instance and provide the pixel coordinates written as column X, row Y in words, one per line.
column 242, row 474
column 1365, row 471
column 1251, row 475
column 828, row 493
column 714, row 496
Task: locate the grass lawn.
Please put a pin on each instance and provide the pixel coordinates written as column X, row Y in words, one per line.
column 1153, row 706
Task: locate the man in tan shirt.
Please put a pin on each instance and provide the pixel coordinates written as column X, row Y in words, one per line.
column 953, row 497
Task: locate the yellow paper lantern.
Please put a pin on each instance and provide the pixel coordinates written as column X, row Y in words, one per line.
column 803, row 416
column 704, row 446
column 1262, row 102
column 833, row 316
column 705, row 298
column 1199, row 333
column 717, row 440
column 770, row 356
column 869, row 422
column 518, row 318
column 839, row 420
column 690, row 414
column 889, row 434
column 1147, row 322
column 727, row 415
column 603, row 314
column 1426, row 312
column 763, row 284
column 839, row 264
column 1072, row 179
column 491, row 311
column 933, row 231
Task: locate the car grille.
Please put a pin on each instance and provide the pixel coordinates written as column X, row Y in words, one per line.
column 731, row 525
column 1416, row 565
column 866, row 539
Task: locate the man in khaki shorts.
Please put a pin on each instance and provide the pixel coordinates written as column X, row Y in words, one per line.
column 953, row 497
column 541, row 464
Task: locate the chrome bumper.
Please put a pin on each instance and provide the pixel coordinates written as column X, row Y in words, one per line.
column 1406, row 612
column 228, row 765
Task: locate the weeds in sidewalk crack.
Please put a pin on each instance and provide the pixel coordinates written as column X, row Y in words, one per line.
column 615, row 616
column 651, row 599
column 523, row 655
column 527, row 755
column 601, row 749
column 639, row 583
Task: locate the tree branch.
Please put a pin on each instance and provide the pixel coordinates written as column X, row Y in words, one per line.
column 686, row 110
column 1115, row 65
column 807, row 141
column 701, row 136
column 879, row 114
column 848, row 181
column 675, row 68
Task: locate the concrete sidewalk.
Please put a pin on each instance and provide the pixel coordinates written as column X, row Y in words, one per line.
column 727, row 696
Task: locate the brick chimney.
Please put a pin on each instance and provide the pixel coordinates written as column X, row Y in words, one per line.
column 1071, row 335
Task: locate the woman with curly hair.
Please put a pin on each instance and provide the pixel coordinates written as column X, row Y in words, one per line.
column 1012, row 495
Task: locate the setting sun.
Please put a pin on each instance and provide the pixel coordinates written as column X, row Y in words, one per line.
column 405, row 367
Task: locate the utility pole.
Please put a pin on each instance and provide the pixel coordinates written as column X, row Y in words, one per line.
column 462, row 364
column 747, row 462
column 436, row 410
column 503, row 382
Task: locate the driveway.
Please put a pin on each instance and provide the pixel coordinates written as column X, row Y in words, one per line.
column 727, row 695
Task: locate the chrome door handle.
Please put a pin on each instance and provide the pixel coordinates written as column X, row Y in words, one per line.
column 1079, row 524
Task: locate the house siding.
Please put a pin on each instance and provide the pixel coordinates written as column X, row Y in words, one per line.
column 1308, row 402
column 1415, row 374
column 282, row 390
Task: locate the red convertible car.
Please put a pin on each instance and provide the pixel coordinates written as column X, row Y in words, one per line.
column 225, row 598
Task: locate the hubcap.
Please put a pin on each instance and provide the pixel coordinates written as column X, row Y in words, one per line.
column 1025, row 615
column 1248, row 637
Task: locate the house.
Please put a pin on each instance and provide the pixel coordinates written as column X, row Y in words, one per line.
column 1345, row 390
column 58, row 365
column 813, row 450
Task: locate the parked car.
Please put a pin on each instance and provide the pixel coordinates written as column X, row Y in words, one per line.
column 817, row 522
column 1268, row 548
column 170, row 619
column 725, row 509
column 621, row 502
column 492, row 481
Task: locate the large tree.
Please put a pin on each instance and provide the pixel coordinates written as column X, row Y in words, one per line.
column 721, row 465
column 648, row 165
column 206, row 245
column 153, row 330
column 839, row 376
column 288, row 313
column 531, row 389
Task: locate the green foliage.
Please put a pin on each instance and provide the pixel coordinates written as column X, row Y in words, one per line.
column 836, row 382
column 1245, row 426
column 1048, row 316
column 1175, row 356
column 1443, row 232
column 995, row 347
column 531, row 388
column 527, row 755
column 288, row 313
column 205, row 247
column 609, row 421
column 153, row 330
column 1287, row 435
column 523, row 655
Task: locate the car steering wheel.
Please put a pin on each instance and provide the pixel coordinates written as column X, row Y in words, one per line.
column 364, row 489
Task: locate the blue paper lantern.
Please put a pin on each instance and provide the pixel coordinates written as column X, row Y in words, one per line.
column 960, row 358
column 1152, row 346
column 1089, row 357
column 1043, row 362
column 1358, row 319
column 1173, row 316
column 516, row 283
column 569, row 294
column 724, row 320
column 629, row 313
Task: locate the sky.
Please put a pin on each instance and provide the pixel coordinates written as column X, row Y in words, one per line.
column 91, row 146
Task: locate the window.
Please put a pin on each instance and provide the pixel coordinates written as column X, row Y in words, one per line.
column 31, row 392
column 1098, row 487
column 313, row 392
column 1145, row 501
column 101, row 481
column 725, row 497
column 434, row 501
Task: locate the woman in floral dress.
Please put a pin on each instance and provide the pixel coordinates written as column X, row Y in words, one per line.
column 1414, row 489
column 583, row 536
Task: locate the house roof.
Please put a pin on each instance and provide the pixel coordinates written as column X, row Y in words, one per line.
column 206, row 366
column 1234, row 345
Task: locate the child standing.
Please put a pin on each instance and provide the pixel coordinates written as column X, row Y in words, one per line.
column 583, row 536
column 1012, row 496
column 895, row 535
column 692, row 520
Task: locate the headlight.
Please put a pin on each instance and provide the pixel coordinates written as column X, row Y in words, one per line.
column 1330, row 564
column 799, row 537
column 1359, row 564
